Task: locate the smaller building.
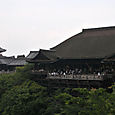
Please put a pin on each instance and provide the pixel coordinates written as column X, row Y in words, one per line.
column 2, row 50
column 9, row 64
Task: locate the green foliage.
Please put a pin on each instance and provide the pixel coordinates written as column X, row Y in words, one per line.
column 25, row 71
column 8, row 81
column 25, row 99
column 21, row 96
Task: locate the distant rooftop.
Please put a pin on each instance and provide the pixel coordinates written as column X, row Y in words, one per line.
column 2, row 50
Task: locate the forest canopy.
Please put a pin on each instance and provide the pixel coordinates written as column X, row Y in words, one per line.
column 19, row 95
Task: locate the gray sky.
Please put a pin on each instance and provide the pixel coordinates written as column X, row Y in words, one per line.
column 33, row 24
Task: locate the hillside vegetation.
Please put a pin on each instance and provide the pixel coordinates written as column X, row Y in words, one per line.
column 21, row 96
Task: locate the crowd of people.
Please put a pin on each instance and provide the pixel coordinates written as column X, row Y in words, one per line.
column 87, row 72
column 80, row 71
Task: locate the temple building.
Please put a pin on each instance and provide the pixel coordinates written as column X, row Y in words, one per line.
column 9, row 64
column 91, row 47
column 91, row 52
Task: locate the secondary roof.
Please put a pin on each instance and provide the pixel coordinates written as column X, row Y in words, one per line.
column 2, row 50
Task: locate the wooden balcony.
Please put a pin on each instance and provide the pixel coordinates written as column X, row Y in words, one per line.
column 76, row 77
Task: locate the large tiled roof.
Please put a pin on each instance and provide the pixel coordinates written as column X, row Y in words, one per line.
column 90, row 43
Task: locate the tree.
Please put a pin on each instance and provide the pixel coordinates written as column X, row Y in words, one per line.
column 26, row 99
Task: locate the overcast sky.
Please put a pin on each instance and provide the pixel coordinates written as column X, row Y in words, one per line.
column 41, row 24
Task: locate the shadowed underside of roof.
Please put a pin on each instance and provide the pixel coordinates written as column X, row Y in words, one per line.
column 90, row 43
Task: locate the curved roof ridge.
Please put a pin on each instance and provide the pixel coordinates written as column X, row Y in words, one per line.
column 98, row 29
column 47, row 50
column 53, row 48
